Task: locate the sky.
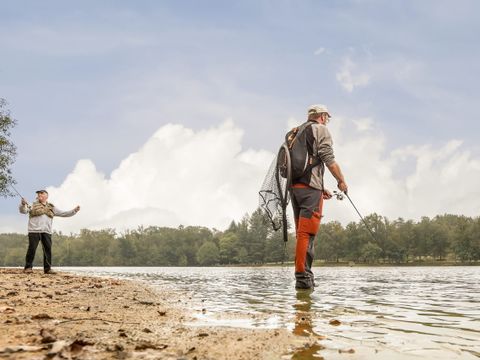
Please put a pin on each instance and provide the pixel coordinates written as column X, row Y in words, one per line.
column 168, row 113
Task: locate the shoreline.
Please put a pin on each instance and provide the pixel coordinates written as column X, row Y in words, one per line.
column 87, row 317
column 291, row 264
column 317, row 263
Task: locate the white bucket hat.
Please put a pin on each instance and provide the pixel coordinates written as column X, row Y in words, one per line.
column 318, row 109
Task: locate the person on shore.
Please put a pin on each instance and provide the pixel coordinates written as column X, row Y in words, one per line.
column 41, row 214
column 308, row 192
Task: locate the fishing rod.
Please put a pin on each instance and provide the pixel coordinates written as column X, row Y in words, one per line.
column 340, row 196
column 14, row 189
column 20, row 195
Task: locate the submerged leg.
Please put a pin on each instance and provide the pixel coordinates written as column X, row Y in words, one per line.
column 310, row 203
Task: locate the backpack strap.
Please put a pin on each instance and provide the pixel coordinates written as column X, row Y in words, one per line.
column 313, row 160
column 292, row 134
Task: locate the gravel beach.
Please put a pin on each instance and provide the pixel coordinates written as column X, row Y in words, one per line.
column 64, row 316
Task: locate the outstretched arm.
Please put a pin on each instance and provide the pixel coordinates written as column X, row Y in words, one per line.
column 337, row 174
column 61, row 213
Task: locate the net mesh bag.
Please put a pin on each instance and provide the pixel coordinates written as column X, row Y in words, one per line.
column 274, row 195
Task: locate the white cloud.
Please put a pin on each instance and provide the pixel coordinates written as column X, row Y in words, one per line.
column 319, row 51
column 363, row 124
column 181, row 176
column 292, row 122
column 349, row 78
column 442, row 179
column 177, row 177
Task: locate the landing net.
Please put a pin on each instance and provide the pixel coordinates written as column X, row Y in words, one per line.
column 274, row 195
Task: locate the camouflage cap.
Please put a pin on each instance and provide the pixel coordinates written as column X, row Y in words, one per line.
column 318, row 109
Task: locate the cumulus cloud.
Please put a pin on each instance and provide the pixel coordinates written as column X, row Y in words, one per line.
column 349, row 77
column 319, row 51
column 363, row 123
column 181, row 176
column 409, row 182
column 178, row 176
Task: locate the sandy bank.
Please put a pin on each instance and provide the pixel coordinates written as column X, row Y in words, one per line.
column 66, row 316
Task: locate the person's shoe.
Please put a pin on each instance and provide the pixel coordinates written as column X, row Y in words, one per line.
column 28, row 270
column 50, row 272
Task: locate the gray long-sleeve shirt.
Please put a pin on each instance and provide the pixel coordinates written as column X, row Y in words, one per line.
column 320, row 142
column 43, row 223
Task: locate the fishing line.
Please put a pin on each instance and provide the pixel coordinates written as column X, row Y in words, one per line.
column 339, row 196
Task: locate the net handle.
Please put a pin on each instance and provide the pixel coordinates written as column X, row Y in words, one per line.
column 284, row 195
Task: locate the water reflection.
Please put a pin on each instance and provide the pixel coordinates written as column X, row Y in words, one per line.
column 303, row 315
column 309, row 353
column 304, row 327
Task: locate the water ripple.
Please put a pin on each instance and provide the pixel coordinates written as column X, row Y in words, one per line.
column 432, row 312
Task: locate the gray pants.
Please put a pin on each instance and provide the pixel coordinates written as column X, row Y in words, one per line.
column 307, row 209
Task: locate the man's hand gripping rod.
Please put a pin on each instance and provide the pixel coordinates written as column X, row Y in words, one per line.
column 26, row 203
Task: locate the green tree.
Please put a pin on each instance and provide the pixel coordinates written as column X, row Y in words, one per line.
column 258, row 231
column 371, row 252
column 8, row 151
column 192, row 237
column 208, row 254
column 228, row 248
column 355, row 238
column 244, row 241
column 439, row 243
column 242, row 256
column 275, row 247
column 15, row 256
column 331, row 240
column 423, row 238
column 127, row 251
column 469, row 246
column 474, row 236
column 378, row 226
column 405, row 237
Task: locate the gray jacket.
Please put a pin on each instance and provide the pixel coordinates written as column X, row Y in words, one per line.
column 43, row 223
column 320, row 143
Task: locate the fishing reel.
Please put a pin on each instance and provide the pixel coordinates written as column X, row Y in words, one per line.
column 338, row 195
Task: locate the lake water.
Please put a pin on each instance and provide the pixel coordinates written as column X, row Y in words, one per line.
column 384, row 312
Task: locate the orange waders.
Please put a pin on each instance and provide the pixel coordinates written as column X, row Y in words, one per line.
column 307, row 205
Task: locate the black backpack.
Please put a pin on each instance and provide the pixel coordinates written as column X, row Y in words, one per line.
column 300, row 160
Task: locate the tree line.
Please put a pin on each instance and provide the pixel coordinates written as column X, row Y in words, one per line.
column 251, row 241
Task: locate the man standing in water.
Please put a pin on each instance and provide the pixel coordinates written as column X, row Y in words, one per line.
column 41, row 214
column 308, row 192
